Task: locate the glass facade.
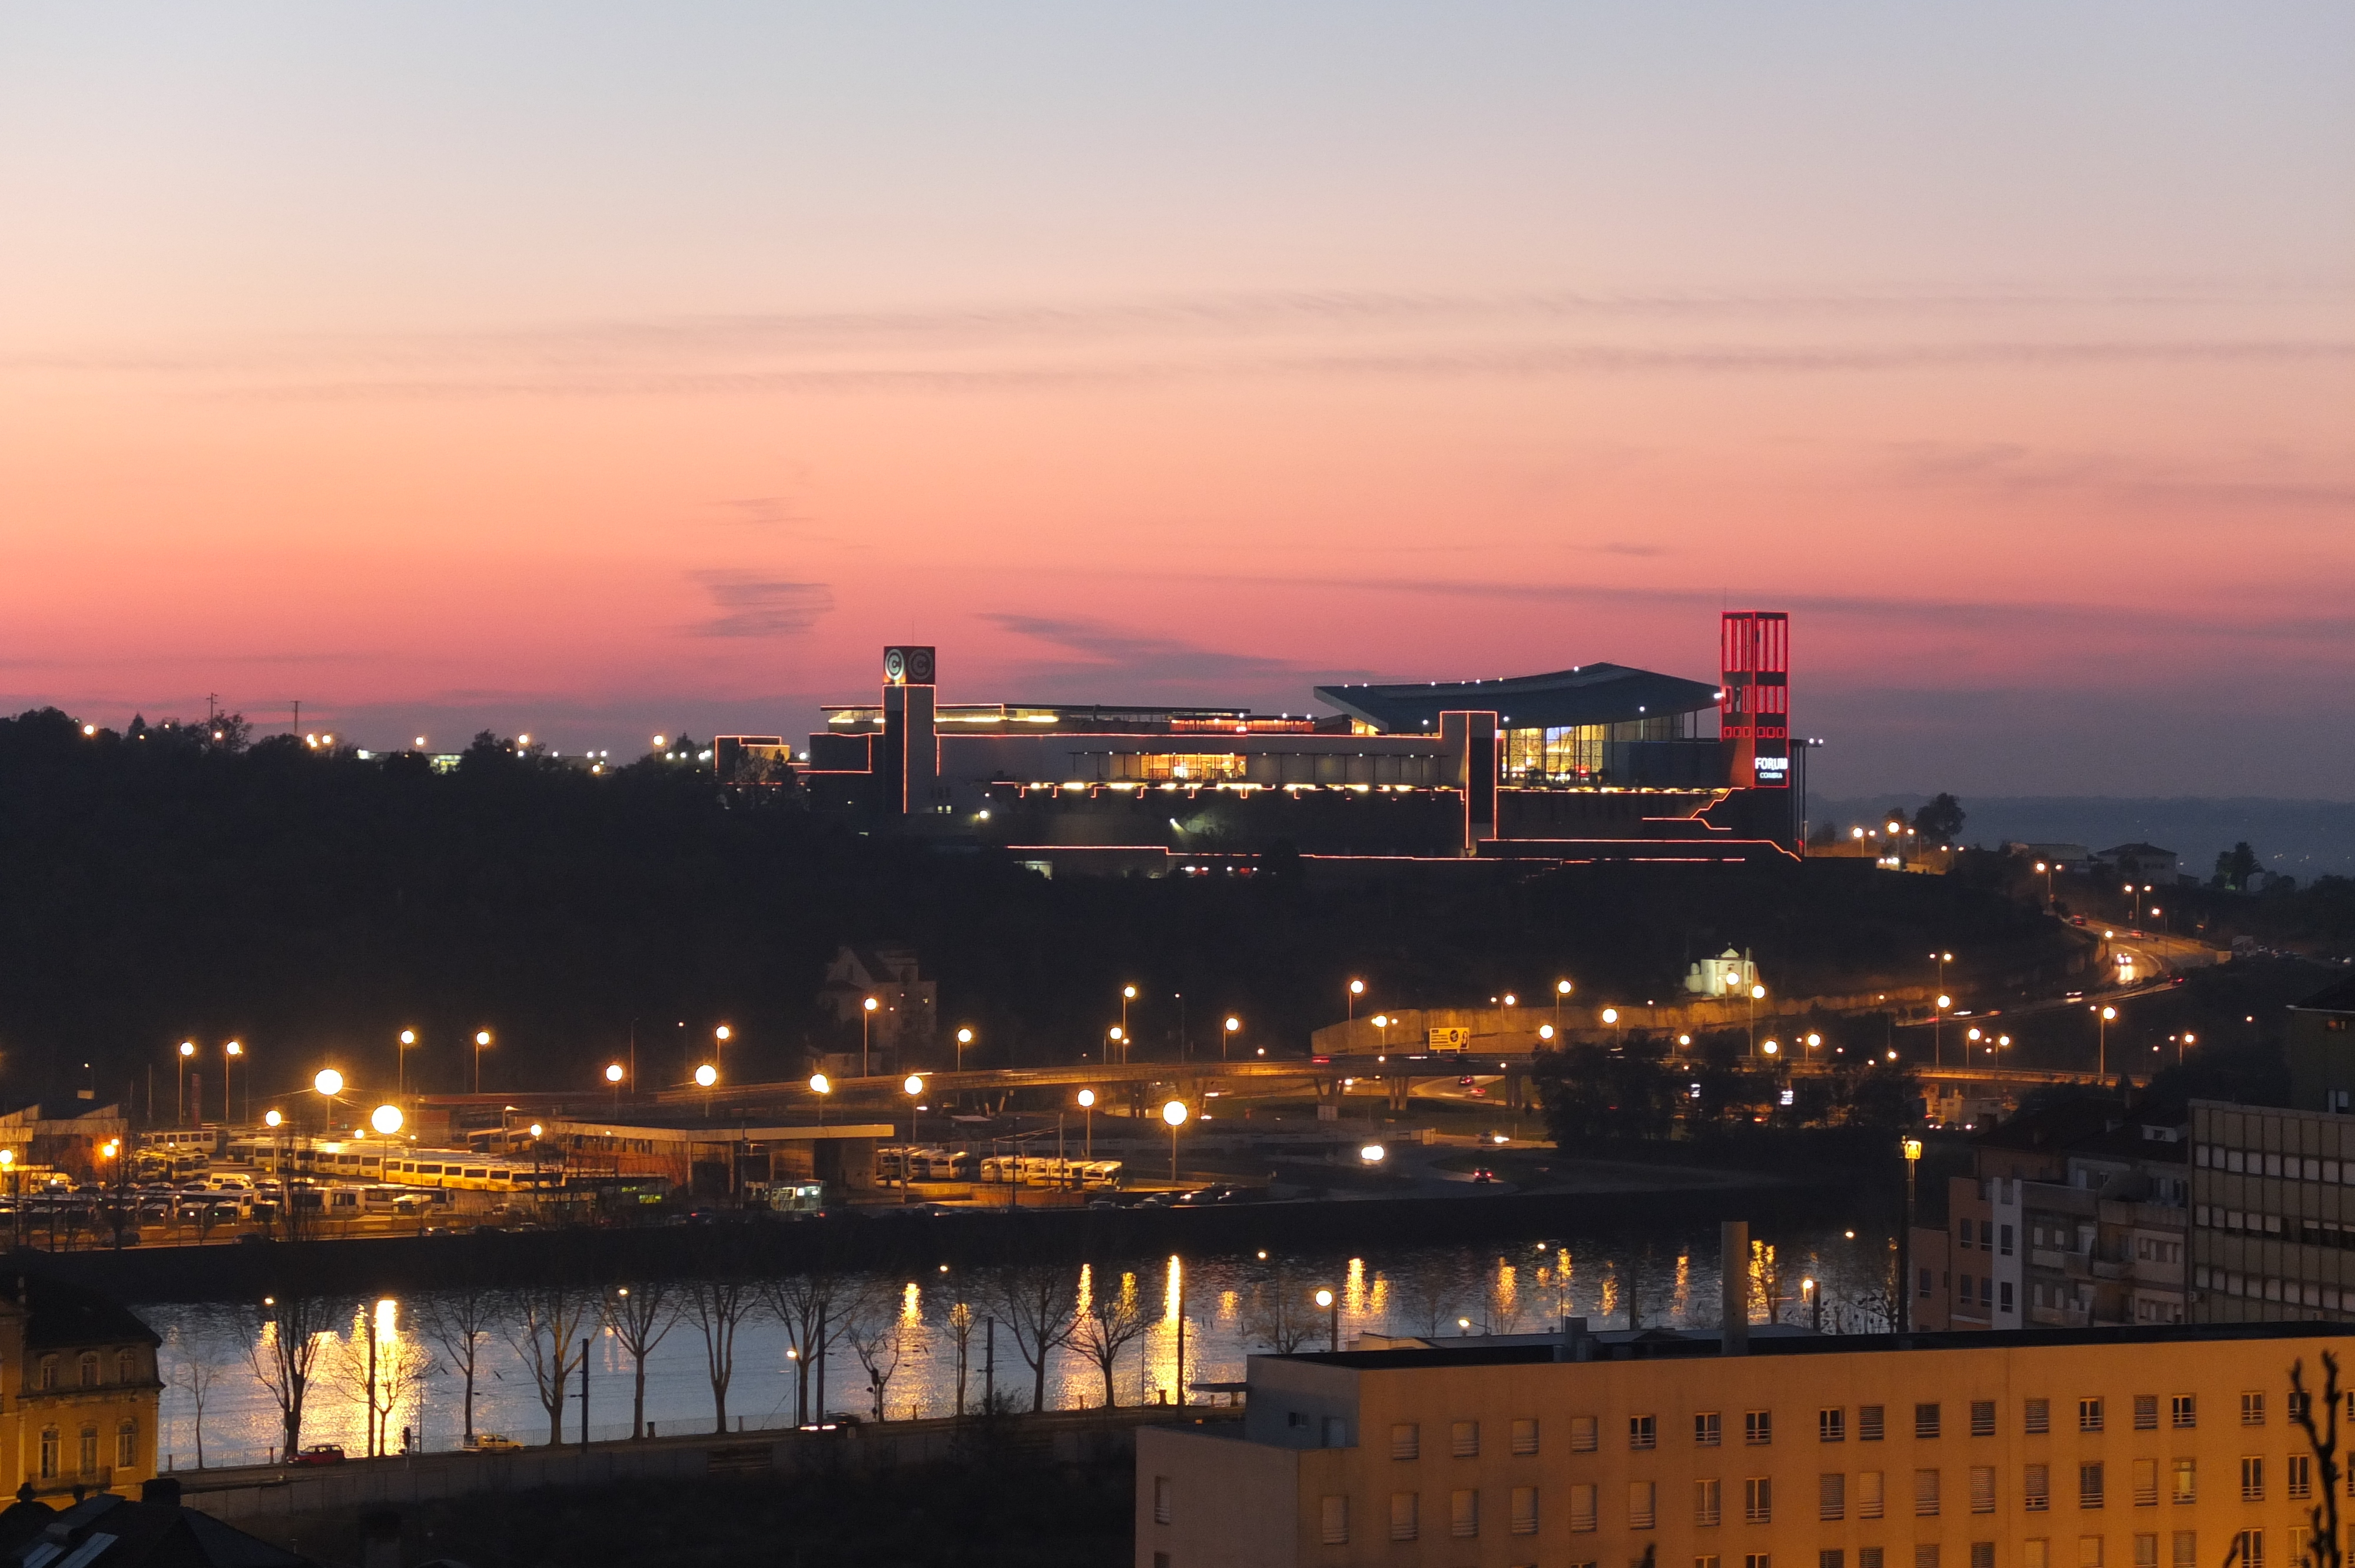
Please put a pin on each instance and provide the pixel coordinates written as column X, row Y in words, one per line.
column 1578, row 754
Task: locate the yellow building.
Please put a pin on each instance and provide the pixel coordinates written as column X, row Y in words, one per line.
column 79, row 1391
column 2158, row 1447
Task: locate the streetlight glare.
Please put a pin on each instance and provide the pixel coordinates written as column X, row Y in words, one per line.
column 706, row 1076
column 536, row 1130
column 723, row 1032
column 1174, row 1113
column 270, row 1119
column 913, row 1084
column 1233, row 1025
column 482, row 1036
column 1324, row 1298
column 1757, row 993
column 328, row 1082
column 188, row 1047
column 1087, row 1099
column 1561, row 988
column 964, row 1036
column 870, row 1004
column 1128, row 993
column 1356, row 988
column 1381, row 1021
column 234, row 1048
column 613, row 1074
column 820, row 1083
column 386, row 1119
column 409, row 1037
column 1545, row 1031
column 1610, row 1015
column 1372, row 1153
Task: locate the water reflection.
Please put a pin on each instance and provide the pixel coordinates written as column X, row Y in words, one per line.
column 921, row 1330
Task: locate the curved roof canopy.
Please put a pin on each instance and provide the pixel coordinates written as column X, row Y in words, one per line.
column 1591, row 693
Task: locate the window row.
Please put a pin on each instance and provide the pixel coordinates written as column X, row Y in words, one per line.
column 50, row 1372
column 2260, row 1288
column 2288, row 1167
column 1405, row 1521
column 1992, row 1237
column 126, row 1450
column 2181, row 1412
column 1464, row 1438
column 2182, row 1548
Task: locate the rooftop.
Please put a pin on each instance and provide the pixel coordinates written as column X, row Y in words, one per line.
column 2337, row 997
column 1586, row 695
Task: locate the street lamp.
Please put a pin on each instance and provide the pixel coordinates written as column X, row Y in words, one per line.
column 964, row 1038
column 1611, row 1017
column 482, row 1042
column 1757, row 995
column 328, row 1082
column 719, row 1038
column 1814, row 1040
column 1127, row 995
column 1174, row 1113
column 1815, row 1300
column 1911, row 1148
column 1382, row 1022
column 1937, row 1028
column 1332, row 1305
column 187, row 1049
column 821, row 1085
column 1373, row 1154
column 706, row 1076
column 912, row 1085
column 2102, row 1017
column 401, row 1062
column 1115, row 1037
column 865, row 1016
column 386, row 1119
column 1233, row 1025
column 614, row 1074
column 1087, row 1103
column 1561, row 990
column 230, row 1054
column 1357, row 989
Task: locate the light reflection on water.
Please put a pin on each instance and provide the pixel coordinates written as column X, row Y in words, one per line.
column 1220, row 1297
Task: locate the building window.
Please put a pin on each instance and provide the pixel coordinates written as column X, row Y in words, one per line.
column 1333, row 1528
column 1867, row 1423
column 1581, row 1506
column 1161, row 1499
column 2089, row 1485
column 1643, row 1432
column 1406, row 1441
column 2146, row 1483
column 2004, row 1290
column 2003, row 1240
column 2146, row 1552
column 1830, row 1557
column 2252, row 1410
column 1868, row 1494
column 2300, row 1478
column 1925, row 1282
column 48, row 1372
column 1925, row 1494
column 1831, row 1426
column 1757, row 1560
column 89, row 1369
column 1983, row 1418
column 126, row 1366
column 2089, row 1552
column 1708, row 1429
column 1925, row 1555
column 1708, row 1562
column 1983, row 1488
column 2185, row 1489
column 1758, row 1427
column 2145, row 1408
column 2089, row 1415
column 2036, row 1489
column 1525, row 1510
column 1758, row 1501
column 1831, row 1495
column 89, row 1451
column 2252, row 1479
column 2183, row 1411
column 2039, row 1413
column 1706, row 1503
column 1581, row 1434
column 50, row 1453
column 1464, row 1513
column 2252, row 1544
column 1643, row 1505
column 1464, row 1439
column 2036, row 1552
column 1405, row 1519
column 2187, row 1549
column 1982, row 1554
column 1525, row 1436
column 1867, row 1557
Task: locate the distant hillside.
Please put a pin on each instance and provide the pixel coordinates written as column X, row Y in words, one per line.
column 2305, row 838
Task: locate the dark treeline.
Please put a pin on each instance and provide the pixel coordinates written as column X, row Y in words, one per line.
column 312, row 903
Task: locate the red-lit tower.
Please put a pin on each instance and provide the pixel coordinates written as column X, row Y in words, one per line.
column 1755, row 716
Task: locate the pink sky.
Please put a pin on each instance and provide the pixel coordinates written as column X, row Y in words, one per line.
column 560, row 373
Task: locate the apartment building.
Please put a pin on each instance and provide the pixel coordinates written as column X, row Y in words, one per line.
column 2076, row 1216
column 2154, row 1447
column 2273, row 1215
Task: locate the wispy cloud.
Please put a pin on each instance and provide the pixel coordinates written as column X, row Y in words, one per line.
column 754, row 606
column 1156, row 665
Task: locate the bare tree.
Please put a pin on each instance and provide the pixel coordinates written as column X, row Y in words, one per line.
column 283, row 1346
column 639, row 1315
column 961, row 1324
column 719, row 1305
column 1039, row 1302
column 2323, row 1548
column 806, row 1305
column 879, row 1338
column 1114, row 1321
column 545, row 1329
column 1280, row 1317
column 458, row 1319
column 195, row 1368
column 1428, row 1296
column 383, row 1370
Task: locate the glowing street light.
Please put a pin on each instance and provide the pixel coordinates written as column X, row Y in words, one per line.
column 866, row 1018
column 1087, row 1099
column 1332, row 1305
column 1233, row 1023
column 271, row 1119
column 2102, row 1017
column 719, row 1038
column 482, row 1042
column 328, row 1082
column 187, row 1049
column 1561, row 990
column 1174, row 1113
column 821, row 1085
column 386, row 1119
column 706, row 1076
column 614, row 1074
column 1357, row 989
column 401, row 1062
column 964, row 1038
column 230, row 1052
column 1373, row 1154
column 1910, row 1148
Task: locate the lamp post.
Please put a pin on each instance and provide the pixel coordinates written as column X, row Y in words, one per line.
column 912, row 1087
column 719, row 1038
column 865, row 1017
column 1113, row 1037
column 614, row 1074
column 230, row 1054
column 1757, row 995
column 1815, row 1300
column 1227, row 1034
column 1088, row 1105
column 8, row 1163
column 2045, row 868
column 180, row 1117
column 1814, row 1040
column 1561, row 988
column 706, row 1076
column 1611, row 1017
column 1174, row 1113
column 481, row 1042
column 964, row 1038
column 821, row 1085
column 401, row 1062
column 1127, row 995
column 327, row 1083
column 2180, row 1042
column 1937, row 1028
column 1911, row 1148
column 1382, row 1024
column 2101, row 1017
column 1332, row 1305
column 1357, row 989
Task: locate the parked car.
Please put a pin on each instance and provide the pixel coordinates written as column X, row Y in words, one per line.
column 319, row 1453
column 490, row 1443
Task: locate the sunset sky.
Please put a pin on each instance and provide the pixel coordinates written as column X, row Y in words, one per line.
column 594, row 369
